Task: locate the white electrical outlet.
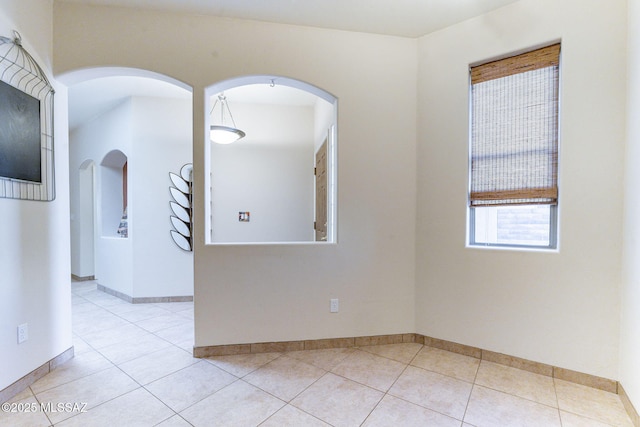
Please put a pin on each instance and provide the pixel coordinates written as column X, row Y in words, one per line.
column 23, row 333
column 335, row 305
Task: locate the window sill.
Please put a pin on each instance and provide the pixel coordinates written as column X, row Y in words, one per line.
column 513, row 248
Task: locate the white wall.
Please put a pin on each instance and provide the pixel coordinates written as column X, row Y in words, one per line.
column 147, row 263
column 557, row 308
column 324, row 118
column 630, row 336
column 34, row 254
column 274, row 293
column 161, row 144
column 269, row 173
column 274, row 184
column 83, row 225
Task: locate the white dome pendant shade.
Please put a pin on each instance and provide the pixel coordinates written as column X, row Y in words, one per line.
column 221, row 134
column 225, row 134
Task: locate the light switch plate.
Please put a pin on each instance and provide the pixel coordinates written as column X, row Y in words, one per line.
column 23, row 333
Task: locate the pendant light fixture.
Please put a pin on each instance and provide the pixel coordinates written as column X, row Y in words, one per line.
column 222, row 134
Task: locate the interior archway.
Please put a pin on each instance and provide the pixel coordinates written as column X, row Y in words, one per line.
column 121, row 117
column 262, row 188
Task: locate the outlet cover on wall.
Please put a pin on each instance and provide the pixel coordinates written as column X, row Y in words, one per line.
column 335, row 305
column 23, row 333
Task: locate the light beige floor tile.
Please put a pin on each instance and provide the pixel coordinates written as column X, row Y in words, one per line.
column 175, row 421
column 369, row 369
column 190, row 385
column 572, row 420
column 24, row 413
column 127, row 350
column 188, row 313
column 527, row 385
column 113, row 304
column 176, row 306
column 242, row 364
column 120, row 308
column 591, row 403
column 338, row 401
column 91, row 293
column 82, row 312
column 326, row 359
column 83, row 286
column 490, row 408
column 186, row 344
column 397, row 412
column 105, row 300
column 239, row 404
column 447, row 363
column 163, row 322
column 433, row 391
column 158, row 364
column 284, row 377
column 136, row 408
column 143, row 312
column 77, row 302
column 80, row 346
column 402, row 353
column 80, row 366
column 91, row 390
column 106, row 337
column 96, row 321
column 82, row 306
column 290, row 416
column 177, row 334
column 24, row 394
column 146, row 341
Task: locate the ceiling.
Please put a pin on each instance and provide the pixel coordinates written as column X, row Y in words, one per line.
column 405, row 18
column 91, row 98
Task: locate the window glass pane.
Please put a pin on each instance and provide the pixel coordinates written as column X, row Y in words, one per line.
column 527, row 225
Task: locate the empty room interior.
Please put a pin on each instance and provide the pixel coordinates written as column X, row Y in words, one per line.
column 346, row 261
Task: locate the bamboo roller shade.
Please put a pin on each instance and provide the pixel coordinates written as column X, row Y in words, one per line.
column 514, row 130
column 540, row 58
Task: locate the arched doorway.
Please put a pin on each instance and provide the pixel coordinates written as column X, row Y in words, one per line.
column 138, row 126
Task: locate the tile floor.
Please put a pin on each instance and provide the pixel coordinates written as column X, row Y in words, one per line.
column 133, row 367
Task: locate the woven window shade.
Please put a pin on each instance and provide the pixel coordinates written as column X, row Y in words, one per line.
column 514, row 130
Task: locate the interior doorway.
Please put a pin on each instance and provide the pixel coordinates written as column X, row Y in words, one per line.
column 320, row 224
column 128, row 130
column 82, row 247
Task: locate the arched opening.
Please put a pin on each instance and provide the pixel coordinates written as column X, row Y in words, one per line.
column 113, row 195
column 137, row 125
column 277, row 184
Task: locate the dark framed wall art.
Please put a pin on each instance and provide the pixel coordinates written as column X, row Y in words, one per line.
column 26, row 125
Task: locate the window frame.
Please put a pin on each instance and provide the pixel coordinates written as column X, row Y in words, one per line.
column 554, row 211
column 553, row 234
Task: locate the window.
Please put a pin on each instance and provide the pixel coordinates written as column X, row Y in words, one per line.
column 513, row 191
